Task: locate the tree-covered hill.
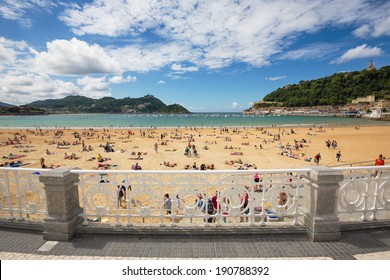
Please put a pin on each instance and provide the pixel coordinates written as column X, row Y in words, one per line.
column 21, row 110
column 81, row 104
column 173, row 109
column 337, row 89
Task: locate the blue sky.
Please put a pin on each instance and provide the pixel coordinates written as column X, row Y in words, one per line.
column 209, row 56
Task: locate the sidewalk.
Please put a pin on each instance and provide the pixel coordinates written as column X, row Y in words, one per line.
column 359, row 245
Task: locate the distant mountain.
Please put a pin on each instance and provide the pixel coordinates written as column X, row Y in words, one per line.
column 337, row 89
column 2, row 104
column 81, row 104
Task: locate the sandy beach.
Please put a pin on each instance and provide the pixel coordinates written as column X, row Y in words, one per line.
column 218, row 148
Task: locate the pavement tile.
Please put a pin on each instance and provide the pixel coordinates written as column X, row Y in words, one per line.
column 368, row 244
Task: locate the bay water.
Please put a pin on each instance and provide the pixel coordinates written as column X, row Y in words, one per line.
column 175, row 121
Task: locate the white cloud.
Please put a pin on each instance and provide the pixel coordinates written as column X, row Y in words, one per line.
column 20, row 83
column 19, row 45
column 178, row 68
column 143, row 58
column 74, row 57
column 236, row 105
column 21, row 88
column 215, row 34
column 112, row 18
column 276, row 78
column 94, row 87
column 7, row 55
column 121, row 79
column 362, row 31
column 362, row 51
column 311, row 51
column 175, row 77
column 17, row 9
column 381, row 28
column 376, row 21
column 161, row 82
column 9, row 51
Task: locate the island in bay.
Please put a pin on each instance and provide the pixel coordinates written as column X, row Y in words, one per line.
column 81, row 104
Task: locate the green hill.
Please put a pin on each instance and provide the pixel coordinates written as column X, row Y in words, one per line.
column 81, row 104
column 337, row 89
column 21, row 110
column 173, row 109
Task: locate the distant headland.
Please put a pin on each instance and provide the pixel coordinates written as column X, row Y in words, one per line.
column 82, row 104
column 358, row 93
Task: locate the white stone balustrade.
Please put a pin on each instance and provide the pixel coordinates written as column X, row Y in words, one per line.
column 189, row 192
column 364, row 191
column 320, row 198
column 21, row 194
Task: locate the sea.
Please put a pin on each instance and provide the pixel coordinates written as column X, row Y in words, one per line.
column 206, row 120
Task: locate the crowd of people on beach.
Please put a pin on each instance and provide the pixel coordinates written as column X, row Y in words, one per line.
column 259, row 138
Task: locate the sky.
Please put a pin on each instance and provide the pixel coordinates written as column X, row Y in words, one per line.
column 209, row 56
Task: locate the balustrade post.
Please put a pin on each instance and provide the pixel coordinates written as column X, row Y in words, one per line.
column 63, row 207
column 320, row 203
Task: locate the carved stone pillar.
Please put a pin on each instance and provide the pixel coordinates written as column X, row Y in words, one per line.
column 63, row 206
column 320, row 203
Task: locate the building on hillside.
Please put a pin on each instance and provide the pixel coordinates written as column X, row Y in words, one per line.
column 383, row 103
column 366, row 99
column 370, row 66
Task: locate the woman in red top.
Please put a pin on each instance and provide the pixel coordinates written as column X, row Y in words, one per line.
column 379, row 162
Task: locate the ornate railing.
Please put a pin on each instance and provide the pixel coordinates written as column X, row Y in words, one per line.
column 22, row 196
column 237, row 198
column 321, row 198
column 364, row 193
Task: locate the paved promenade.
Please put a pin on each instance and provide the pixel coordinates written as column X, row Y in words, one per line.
column 367, row 244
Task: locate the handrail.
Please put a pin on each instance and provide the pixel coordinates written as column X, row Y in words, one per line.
column 382, row 167
column 254, row 171
column 24, row 169
column 353, row 163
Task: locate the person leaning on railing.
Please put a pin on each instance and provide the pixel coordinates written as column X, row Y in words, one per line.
column 380, row 161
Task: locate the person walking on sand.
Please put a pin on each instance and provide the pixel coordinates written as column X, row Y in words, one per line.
column 317, row 158
column 156, row 147
column 338, row 156
column 43, row 165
